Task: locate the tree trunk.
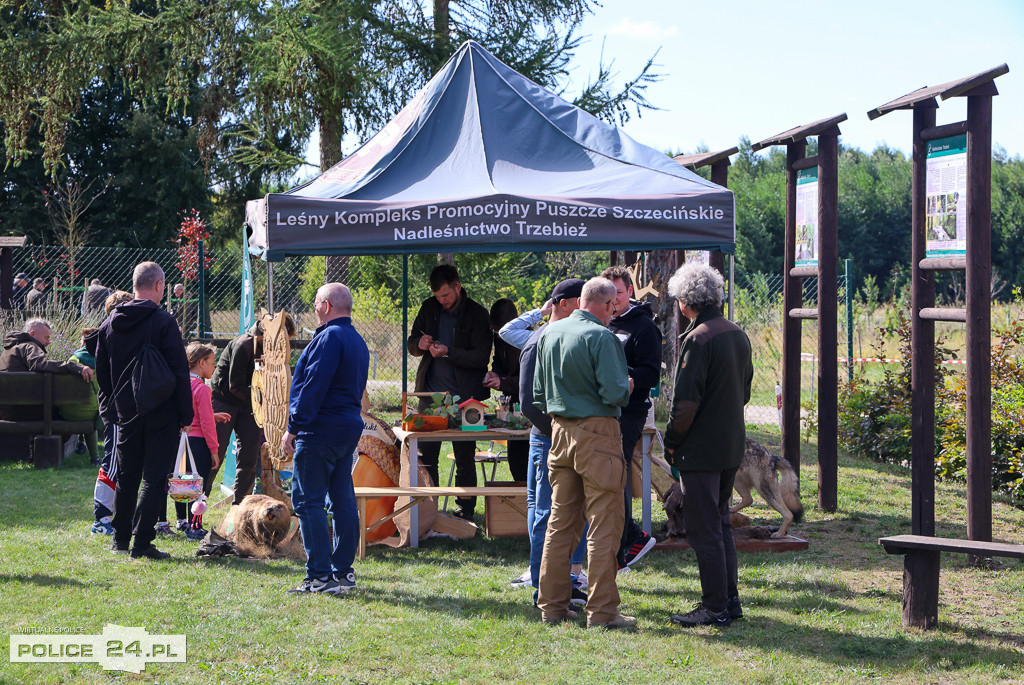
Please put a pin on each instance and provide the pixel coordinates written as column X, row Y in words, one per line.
column 331, row 128
column 661, row 265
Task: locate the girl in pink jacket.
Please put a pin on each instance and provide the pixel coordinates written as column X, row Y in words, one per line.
column 202, row 434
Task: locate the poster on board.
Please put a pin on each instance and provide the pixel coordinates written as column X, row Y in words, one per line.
column 698, row 257
column 946, row 197
column 807, row 217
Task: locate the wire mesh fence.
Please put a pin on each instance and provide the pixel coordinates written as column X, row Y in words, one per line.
column 376, row 284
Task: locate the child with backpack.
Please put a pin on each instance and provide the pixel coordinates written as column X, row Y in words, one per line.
column 202, row 434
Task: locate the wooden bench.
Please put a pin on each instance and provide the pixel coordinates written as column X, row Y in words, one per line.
column 417, row 495
column 48, row 391
column 921, row 570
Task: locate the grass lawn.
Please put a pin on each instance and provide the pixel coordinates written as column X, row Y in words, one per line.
column 445, row 613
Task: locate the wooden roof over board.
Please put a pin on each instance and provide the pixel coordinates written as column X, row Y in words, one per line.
column 12, row 241
column 700, row 159
column 795, row 135
column 952, row 89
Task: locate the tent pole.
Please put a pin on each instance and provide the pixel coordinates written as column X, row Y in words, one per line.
column 732, row 287
column 405, row 323
column 270, row 287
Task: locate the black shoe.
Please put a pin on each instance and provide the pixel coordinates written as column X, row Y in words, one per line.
column 700, row 616
column 150, row 552
column 578, row 598
column 735, row 609
column 641, row 545
column 118, row 548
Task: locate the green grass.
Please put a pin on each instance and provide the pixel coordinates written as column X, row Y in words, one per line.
column 445, row 613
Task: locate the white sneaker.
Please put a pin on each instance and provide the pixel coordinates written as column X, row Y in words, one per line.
column 581, row 580
column 525, row 579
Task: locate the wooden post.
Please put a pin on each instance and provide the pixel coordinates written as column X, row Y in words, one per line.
column 978, row 301
column 922, row 333
column 921, row 589
column 828, row 336
column 720, row 176
column 792, row 296
column 6, row 277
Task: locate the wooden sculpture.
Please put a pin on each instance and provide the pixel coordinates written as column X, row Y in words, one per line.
column 271, row 389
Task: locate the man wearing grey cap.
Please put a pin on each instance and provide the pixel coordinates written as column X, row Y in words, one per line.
column 20, row 291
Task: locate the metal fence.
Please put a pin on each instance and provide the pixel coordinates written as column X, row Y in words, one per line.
column 376, row 286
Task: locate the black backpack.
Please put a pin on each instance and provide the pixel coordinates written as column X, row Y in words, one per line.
column 147, row 376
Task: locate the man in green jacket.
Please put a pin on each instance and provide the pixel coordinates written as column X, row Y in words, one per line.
column 705, row 436
column 582, row 381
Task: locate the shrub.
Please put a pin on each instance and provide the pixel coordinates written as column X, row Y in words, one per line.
column 874, row 417
column 1007, row 382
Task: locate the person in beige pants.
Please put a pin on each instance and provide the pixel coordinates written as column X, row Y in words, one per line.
column 582, row 381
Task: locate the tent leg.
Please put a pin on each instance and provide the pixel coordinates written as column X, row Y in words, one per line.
column 270, row 287
column 405, row 323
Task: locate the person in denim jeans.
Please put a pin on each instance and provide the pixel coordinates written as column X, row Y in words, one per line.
column 324, row 425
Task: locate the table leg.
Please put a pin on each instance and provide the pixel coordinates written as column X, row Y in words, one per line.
column 414, row 479
column 645, row 447
column 362, row 528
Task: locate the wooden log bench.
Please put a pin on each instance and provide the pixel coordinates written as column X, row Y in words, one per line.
column 47, row 391
column 921, row 570
column 418, row 494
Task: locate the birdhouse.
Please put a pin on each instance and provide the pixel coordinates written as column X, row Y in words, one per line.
column 473, row 415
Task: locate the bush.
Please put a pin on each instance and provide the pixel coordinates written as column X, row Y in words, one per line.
column 1007, row 382
column 874, row 417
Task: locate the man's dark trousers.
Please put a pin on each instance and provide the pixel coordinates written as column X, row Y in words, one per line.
column 247, row 452
column 632, row 426
column 708, row 530
column 146, row 448
column 465, row 466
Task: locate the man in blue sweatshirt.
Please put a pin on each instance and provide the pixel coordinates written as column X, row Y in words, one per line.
column 324, row 426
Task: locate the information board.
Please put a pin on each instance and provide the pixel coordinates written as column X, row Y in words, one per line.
column 807, row 217
column 946, row 197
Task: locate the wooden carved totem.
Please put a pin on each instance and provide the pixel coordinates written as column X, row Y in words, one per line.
column 271, row 383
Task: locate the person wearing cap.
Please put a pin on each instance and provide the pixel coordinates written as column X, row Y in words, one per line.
column 20, row 291
column 565, row 299
column 582, row 382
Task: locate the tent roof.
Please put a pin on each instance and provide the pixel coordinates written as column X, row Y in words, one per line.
column 483, row 159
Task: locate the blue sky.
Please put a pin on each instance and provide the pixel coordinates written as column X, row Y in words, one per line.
column 757, row 68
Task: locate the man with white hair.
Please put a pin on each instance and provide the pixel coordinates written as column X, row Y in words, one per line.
column 705, row 436
column 324, row 426
column 582, row 382
column 25, row 350
column 147, row 442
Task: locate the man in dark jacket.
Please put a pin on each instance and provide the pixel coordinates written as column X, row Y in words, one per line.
column 147, row 443
column 20, row 291
column 37, row 296
column 93, row 299
column 26, row 351
column 705, row 436
column 634, row 326
column 324, row 426
column 232, row 394
column 452, row 337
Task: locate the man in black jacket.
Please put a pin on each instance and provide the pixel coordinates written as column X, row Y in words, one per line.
column 634, row 326
column 452, row 337
column 232, row 394
column 147, row 443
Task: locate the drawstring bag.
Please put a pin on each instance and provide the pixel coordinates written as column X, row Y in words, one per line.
column 184, row 487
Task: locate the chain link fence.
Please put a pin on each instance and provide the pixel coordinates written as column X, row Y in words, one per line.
column 376, row 284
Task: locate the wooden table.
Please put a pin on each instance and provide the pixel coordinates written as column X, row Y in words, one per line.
column 411, row 440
